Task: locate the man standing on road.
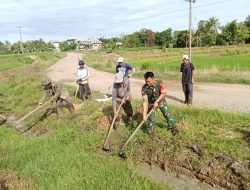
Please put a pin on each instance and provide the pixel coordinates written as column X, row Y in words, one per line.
column 153, row 94
column 187, row 69
column 59, row 95
column 82, row 77
column 121, row 95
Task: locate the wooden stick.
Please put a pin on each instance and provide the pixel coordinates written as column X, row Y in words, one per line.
column 131, row 136
column 110, row 128
column 27, row 115
column 77, row 89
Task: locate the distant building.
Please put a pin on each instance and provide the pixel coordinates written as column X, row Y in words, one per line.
column 88, row 44
column 56, row 45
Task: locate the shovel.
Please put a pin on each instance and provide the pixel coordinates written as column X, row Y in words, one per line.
column 109, row 132
column 27, row 115
column 121, row 152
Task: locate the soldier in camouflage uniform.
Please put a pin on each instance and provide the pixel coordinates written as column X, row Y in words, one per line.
column 153, row 93
column 59, row 95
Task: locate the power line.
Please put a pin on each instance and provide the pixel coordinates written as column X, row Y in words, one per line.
column 169, row 12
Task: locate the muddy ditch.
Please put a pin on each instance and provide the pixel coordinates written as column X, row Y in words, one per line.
column 174, row 180
column 191, row 162
column 221, row 171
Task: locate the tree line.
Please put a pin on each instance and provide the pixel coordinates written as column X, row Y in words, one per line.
column 208, row 33
column 27, row 47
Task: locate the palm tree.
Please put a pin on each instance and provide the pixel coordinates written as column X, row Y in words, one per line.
column 208, row 31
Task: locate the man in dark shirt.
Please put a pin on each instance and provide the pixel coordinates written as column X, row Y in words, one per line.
column 187, row 69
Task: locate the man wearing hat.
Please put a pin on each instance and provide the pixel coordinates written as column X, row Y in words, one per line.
column 82, row 77
column 121, row 95
column 59, row 95
column 124, row 68
column 187, row 69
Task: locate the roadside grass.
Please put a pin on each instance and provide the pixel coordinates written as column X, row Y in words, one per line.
column 217, row 132
column 62, row 157
column 13, row 61
column 216, row 64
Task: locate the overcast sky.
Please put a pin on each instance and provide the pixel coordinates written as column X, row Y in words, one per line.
column 80, row 19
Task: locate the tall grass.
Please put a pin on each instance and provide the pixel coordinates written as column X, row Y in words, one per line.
column 13, row 61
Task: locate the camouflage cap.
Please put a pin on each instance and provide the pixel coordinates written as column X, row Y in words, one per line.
column 46, row 82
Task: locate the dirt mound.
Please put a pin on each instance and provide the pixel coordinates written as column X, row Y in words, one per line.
column 10, row 180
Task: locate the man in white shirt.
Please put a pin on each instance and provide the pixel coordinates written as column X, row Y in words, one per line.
column 82, row 77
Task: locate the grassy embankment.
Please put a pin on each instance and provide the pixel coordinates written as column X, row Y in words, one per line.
column 65, row 157
column 215, row 64
column 66, row 154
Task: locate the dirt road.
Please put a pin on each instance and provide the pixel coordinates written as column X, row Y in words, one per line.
column 227, row 97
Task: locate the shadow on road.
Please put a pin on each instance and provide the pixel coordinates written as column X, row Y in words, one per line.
column 174, row 98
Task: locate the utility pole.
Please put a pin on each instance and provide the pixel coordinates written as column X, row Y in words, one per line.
column 190, row 28
column 21, row 42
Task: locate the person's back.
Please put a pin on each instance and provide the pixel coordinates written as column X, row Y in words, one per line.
column 121, row 95
column 120, row 90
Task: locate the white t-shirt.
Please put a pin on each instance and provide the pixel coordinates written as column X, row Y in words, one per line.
column 82, row 73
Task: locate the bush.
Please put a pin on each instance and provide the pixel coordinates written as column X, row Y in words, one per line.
column 144, row 66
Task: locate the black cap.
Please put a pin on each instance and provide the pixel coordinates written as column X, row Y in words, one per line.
column 81, row 62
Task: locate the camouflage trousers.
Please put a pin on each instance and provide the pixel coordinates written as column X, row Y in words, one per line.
column 60, row 105
column 58, row 108
column 165, row 112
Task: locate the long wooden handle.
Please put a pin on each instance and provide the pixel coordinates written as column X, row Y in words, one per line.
column 110, row 128
column 76, row 93
column 131, row 136
column 27, row 115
